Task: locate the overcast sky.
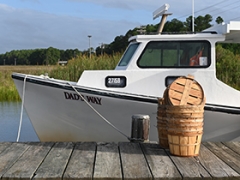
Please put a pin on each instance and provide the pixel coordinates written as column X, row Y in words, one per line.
column 66, row 24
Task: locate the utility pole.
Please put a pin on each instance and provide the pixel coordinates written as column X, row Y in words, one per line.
column 89, row 36
column 193, row 16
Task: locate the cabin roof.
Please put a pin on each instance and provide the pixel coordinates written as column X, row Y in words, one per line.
column 181, row 37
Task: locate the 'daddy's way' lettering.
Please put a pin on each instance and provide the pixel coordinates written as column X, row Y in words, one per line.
column 90, row 99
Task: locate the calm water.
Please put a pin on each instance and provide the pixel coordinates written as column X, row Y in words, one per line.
column 9, row 122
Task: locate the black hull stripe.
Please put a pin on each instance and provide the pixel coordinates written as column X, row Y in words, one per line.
column 208, row 107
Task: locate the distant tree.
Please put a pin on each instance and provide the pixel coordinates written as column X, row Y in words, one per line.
column 118, row 45
column 174, row 26
column 219, row 20
column 100, row 50
column 234, row 48
column 52, row 56
column 49, row 56
column 188, row 24
column 37, row 57
column 23, row 57
column 202, row 23
column 69, row 54
column 228, row 66
column 131, row 33
column 151, row 28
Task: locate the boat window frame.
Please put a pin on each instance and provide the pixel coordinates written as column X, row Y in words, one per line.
column 123, row 63
column 209, row 61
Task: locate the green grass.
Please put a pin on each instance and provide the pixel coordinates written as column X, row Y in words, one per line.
column 72, row 71
column 8, row 91
column 76, row 66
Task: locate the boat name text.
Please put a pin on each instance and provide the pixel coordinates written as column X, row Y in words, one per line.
column 90, row 99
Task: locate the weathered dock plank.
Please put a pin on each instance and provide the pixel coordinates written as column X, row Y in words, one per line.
column 55, row 162
column 189, row 167
column 28, row 163
column 214, row 165
column 107, row 164
column 10, row 155
column 235, row 146
column 159, row 162
column 228, row 156
column 4, row 145
column 134, row 165
column 125, row 160
column 81, row 163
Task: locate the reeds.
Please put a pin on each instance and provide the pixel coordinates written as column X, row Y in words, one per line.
column 76, row 66
column 8, row 91
column 72, row 71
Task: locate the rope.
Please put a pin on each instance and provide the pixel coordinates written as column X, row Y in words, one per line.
column 23, row 95
column 109, row 123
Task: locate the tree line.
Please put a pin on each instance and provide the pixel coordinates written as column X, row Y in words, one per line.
column 51, row 55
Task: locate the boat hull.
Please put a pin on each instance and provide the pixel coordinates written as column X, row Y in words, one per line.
column 58, row 113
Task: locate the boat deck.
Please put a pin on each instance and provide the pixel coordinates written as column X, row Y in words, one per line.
column 124, row 160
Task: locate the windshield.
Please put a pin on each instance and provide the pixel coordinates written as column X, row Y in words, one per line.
column 174, row 54
column 128, row 54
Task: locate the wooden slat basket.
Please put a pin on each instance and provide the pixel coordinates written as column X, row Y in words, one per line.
column 185, row 91
column 181, row 113
column 184, row 130
column 162, row 124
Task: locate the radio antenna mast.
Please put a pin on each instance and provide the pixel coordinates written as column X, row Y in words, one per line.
column 161, row 12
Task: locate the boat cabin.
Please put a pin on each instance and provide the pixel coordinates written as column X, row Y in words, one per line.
column 152, row 62
column 178, row 50
column 167, row 51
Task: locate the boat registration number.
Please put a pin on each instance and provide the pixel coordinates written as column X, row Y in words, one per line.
column 115, row 81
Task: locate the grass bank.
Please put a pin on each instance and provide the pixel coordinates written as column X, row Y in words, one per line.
column 8, row 91
column 71, row 72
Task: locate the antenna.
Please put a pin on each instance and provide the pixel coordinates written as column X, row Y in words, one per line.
column 161, row 12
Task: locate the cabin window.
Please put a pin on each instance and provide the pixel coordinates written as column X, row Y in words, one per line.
column 128, row 54
column 174, row 54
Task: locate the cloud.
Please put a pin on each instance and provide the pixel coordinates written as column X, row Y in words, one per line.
column 182, row 8
column 67, row 24
column 32, row 1
column 6, row 8
column 123, row 4
column 27, row 29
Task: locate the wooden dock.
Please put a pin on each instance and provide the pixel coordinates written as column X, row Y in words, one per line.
column 124, row 160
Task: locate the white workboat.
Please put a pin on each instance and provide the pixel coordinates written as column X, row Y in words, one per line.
column 58, row 111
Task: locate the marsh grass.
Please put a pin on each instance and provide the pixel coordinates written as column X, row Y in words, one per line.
column 76, row 66
column 8, row 91
column 72, row 71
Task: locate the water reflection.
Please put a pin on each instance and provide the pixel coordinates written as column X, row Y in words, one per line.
column 9, row 123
